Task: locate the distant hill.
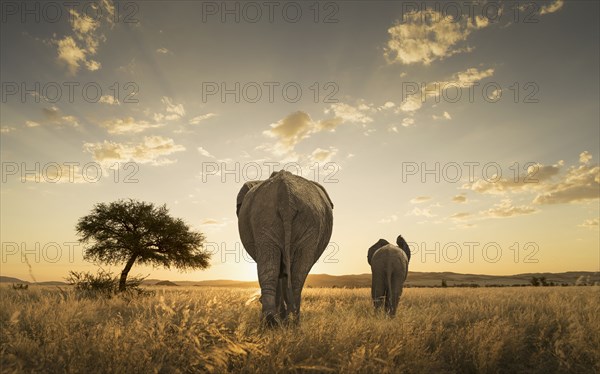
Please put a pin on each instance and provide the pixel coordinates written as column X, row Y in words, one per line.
column 414, row 279
column 165, row 283
column 4, row 279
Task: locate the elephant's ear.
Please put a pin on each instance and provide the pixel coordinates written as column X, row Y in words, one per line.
column 243, row 191
column 380, row 243
column 404, row 246
column 325, row 193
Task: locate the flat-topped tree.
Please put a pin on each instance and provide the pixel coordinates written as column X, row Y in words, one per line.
column 126, row 231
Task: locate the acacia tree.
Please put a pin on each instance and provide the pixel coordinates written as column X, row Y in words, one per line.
column 130, row 230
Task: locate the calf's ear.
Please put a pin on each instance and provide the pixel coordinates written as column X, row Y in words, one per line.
column 403, row 245
column 380, row 243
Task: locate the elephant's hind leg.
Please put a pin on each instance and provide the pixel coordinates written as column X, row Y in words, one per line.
column 269, row 258
column 378, row 290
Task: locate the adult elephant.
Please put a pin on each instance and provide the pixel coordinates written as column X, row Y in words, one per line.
column 285, row 224
column 389, row 268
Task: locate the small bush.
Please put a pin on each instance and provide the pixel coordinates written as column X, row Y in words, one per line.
column 103, row 283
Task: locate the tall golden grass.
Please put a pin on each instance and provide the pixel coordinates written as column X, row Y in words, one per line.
column 194, row 329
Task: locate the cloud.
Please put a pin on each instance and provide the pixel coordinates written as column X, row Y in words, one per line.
column 329, row 124
column 585, row 157
column 290, row 130
column 351, row 114
column 323, row 155
column 591, row 223
column 213, row 224
column 150, row 151
column 408, row 121
column 127, row 125
column 162, row 51
column 460, row 216
column 421, row 212
column 420, row 199
column 505, row 209
column 552, row 7
column 76, row 50
column 426, row 36
column 205, row 153
column 108, row 99
column 463, row 79
column 176, row 110
column 445, row 116
column 53, row 116
column 579, row 184
column 390, row 219
column 535, row 178
column 6, row 129
column 70, row 54
column 196, row 120
column 460, row 198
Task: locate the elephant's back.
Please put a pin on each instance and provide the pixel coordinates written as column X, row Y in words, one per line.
column 390, row 253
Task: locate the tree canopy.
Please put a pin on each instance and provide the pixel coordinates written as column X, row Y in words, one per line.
column 135, row 231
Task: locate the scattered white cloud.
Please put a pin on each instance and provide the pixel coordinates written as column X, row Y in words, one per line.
column 420, row 199
column 323, row 155
column 162, row 51
column 591, row 223
column 76, row 50
column 461, row 216
column 462, row 198
column 506, row 209
column 205, row 153
column 31, row 124
column 408, row 121
column 426, row 36
column 552, row 7
column 6, row 129
column 196, row 120
column 390, row 219
column 445, row 116
column 127, row 125
column 108, row 99
column 174, row 111
column 351, row 114
column 535, row 178
column 290, row 130
column 151, row 151
column 426, row 212
column 580, row 183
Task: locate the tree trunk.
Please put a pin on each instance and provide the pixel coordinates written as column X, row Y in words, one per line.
column 125, row 272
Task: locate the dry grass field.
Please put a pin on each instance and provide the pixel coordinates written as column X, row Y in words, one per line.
column 199, row 329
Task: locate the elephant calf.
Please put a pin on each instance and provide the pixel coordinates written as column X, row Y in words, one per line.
column 389, row 268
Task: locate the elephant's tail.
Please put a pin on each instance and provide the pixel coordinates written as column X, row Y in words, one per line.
column 287, row 212
column 389, row 292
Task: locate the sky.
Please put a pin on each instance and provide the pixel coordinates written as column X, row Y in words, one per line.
column 471, row 128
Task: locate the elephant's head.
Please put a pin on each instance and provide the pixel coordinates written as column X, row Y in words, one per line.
column 243, row 191
column 380, row 243
column 403, row 245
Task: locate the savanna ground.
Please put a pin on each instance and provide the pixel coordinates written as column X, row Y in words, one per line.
column 196, row 329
